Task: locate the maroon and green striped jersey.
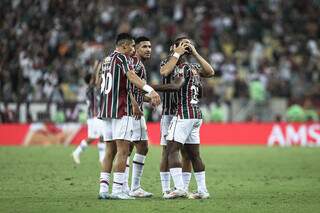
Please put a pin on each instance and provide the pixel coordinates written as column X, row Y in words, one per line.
column 140, row 70
column 190, row 92
column 169, row 105
column 92, row 99
column 115, row 99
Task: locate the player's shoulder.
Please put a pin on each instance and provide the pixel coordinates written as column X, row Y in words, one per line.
column 123, row 56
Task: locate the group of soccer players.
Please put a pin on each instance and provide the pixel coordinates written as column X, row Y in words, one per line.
column 123, row 90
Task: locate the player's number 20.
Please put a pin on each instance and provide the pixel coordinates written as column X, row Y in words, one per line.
column 106, row 83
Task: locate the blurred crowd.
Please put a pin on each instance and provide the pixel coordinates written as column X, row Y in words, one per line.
column 259, row 49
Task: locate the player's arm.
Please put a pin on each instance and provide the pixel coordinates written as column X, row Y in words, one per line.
column 97, row 70
column 146, row 99
column 178, row 51
column 172, row 87
column 207, row 71
column 135, row 108
column 138, row 82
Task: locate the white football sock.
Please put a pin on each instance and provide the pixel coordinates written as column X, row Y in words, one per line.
column 101, row 149
column 82, row 146
column 186, row 176
column 201, row 181
column 117, row 182
column 165, row 181
column 176, row 174
column 104, row 182
column 126, row 176
column 137, row 170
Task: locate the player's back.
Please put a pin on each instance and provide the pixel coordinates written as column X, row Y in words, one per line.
column 115, row 99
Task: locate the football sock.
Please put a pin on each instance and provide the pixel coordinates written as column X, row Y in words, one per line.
column 137, row 170
column 117, row 182
column 104, row 182
column 82, row 146
column 126, row 176
column 176, row 174
column 165, row 181
column 186, row 176
column 201, row 181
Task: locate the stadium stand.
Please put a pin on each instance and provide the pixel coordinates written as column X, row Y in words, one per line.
column 266, row 53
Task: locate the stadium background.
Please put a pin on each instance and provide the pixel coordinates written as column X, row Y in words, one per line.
column 265, row 53
column 266, row 93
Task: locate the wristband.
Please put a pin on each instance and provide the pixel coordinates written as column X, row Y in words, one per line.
column 147, row 88
column 176, row 55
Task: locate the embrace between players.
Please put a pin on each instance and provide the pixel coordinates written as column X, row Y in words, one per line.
column 123, row 90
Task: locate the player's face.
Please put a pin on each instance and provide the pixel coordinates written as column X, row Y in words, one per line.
column 129, row 48
column 144, row 49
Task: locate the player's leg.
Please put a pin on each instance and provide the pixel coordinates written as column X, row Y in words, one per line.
column 120, row 163
column 192, row 147
column 164, row 171
column 121, row 131
column 175, row 168
column 101, row 149
column 138, row 163
column 106, row 166
column 91, row 136
column 137, row 169
column 140, row 138
column 101, row 145
column 126, row 187
column 199, row 171
column 177, row 135
column 164, row 168
column 186, row 168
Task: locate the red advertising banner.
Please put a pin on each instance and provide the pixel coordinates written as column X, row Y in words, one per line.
column 231, row 134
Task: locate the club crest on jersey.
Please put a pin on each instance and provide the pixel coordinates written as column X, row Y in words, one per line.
column 138, row 68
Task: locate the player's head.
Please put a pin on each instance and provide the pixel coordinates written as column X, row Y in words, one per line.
column 125, row 43
column 143, row 47
column 87, row 78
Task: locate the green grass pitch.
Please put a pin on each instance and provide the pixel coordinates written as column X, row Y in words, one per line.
column 240, row 179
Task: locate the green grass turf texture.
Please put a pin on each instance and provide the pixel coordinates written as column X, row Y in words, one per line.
column 240, row 179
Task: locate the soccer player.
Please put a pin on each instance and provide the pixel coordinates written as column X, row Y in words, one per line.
column 139, row 135
column 117, row 73
column 169, row 87
column 185, row 127
column 93, row 123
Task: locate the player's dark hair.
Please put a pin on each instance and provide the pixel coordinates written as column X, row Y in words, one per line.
column 87, row 78
column 179, row 39
column 141, row 39
column 123, row 37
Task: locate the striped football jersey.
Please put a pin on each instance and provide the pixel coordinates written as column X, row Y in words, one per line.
column 115, row 99
column 169, row 105
column 190, row 92
column 92, row 99
column 140, row 70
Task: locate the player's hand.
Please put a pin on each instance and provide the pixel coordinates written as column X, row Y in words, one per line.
column 192, row 49
column 181, row 48
column 136, row 111
column 155, row 98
